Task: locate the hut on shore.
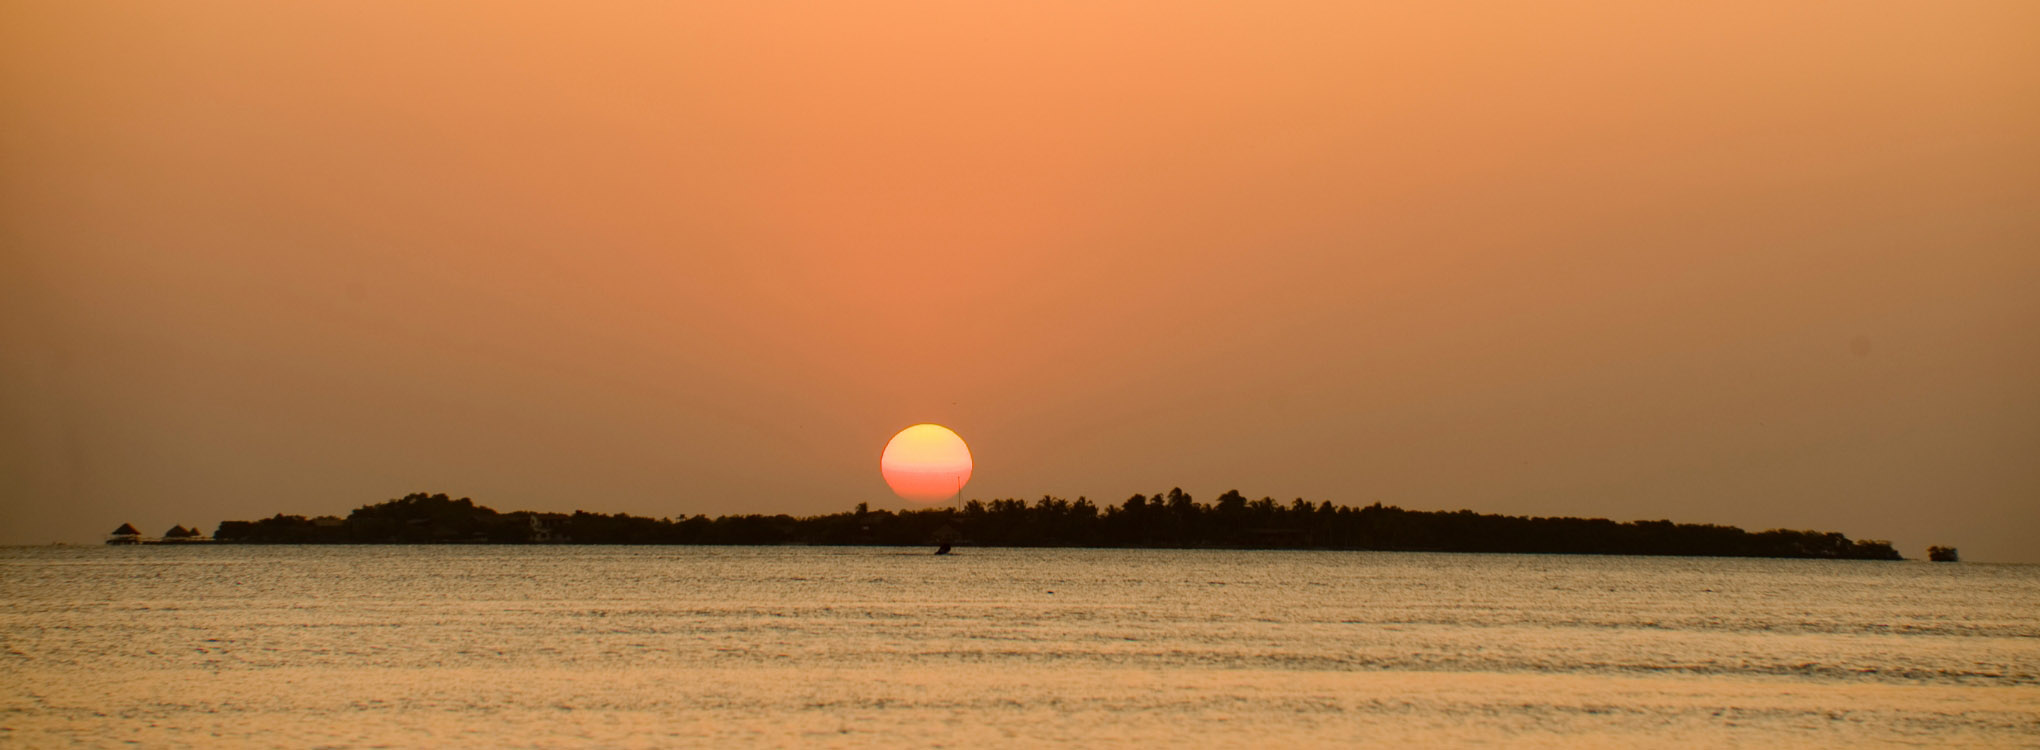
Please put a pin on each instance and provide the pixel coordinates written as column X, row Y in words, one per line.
column 180, row 534
column 126, row 534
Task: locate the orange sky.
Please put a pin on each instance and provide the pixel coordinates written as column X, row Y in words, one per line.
column 1766, row 264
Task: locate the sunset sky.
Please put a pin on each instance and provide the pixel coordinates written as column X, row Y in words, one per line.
column 1771, row 264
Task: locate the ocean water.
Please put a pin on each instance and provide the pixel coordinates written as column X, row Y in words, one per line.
column 477, row 646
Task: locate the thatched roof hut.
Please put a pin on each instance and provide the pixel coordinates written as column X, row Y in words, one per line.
column 126, row 534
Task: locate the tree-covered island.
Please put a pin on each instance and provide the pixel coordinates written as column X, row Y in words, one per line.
column 1171, row 519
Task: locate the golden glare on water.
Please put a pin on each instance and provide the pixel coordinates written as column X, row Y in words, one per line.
column 926, row 463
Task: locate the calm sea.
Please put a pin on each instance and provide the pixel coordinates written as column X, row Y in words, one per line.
column 867, row 647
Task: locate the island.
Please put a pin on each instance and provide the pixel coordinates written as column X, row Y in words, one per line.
column 1165, row 520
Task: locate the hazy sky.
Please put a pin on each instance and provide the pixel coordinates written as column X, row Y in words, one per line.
column 1756, row 263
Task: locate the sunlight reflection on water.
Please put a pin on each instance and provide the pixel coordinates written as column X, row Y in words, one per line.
column 662, row 646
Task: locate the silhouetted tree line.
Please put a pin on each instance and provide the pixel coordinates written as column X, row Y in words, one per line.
column 1171, row 519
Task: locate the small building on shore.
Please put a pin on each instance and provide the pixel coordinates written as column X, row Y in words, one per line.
column 126, row 534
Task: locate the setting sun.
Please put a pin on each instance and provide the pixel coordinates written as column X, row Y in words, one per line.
column 926, row 463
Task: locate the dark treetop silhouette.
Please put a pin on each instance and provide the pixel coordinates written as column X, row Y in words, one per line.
column 1164, row 520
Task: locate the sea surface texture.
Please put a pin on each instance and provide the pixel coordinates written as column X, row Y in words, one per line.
column 475, row 646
